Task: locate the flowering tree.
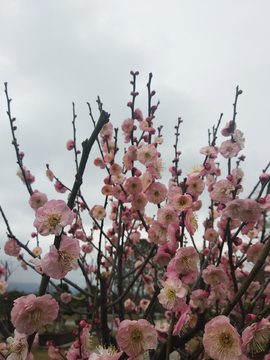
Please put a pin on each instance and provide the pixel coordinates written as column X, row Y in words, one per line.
column 149, row 263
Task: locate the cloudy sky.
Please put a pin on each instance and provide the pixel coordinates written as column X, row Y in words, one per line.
column 53, row 53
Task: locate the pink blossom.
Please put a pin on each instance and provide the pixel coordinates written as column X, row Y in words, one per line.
column 107, row 129
column 210, row 234
column 173, row 294
column 66, row 297
column 238, row 136
column 118, row 179
column 195, row 171
column 52, row 217
column 229, row 149
column 70, row 145
column 213, row 275
column 127, row 126
column 49, row 174
column 98, row 212
column 37, row 251
column 115, row 169
column 3, row 286
column 144, row 304
column 156, row 193
column 57, row 263
column 29, row 312
column 186, row 260
column 166, row 215
column 147, row 154
column 138, row 114
column 105, row 354
column 17, row 347
column 162, row 328
column 129, row 305
column 255, row 338
column 135, row 337
column 191, row 222
column 87, row 248
column 139, row 201
column 182, row 202
column 229, row 128
column 54, row 353
column 29, row 177
column 195, row 186
column 162, row 258
column 133, row 185
column 11, row 248
column 37, row 200
column 200, row 299
column 254, row 252
column 182, row 317
column 222, row 191
column 132, row 152
column 221, row 340
column 59, row 187
column 100, row 163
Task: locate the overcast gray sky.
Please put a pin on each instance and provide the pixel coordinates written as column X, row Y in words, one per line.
column 53, row 53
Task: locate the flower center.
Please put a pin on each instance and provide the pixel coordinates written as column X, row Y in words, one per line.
column 136, row 336
column 34, row 317
column 171, row 294
column 54, row 220
column 226, row 340
column 64, row 258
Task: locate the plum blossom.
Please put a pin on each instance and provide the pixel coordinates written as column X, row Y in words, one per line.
column 173, row 294
column 52, row 217
column 135, row 337
column 65, row 297
column 49, row 174
column 254, row 252
column 29, row 177
column 195, row 186
column 29, row 312
column 98, row 212
column 70, row 145
column 191, row 222
column 238, row 136
column 57, row 263
column 11, row 248
column 229, row 149
column 37, row 200
column 213, row 275
column 156, row 193
column 59, row 187
column 129, row 305
column 133, row 185
column 186, row 260
column 200, row 299
column 222, row 191
column 147, row 154
column 17, row 347
column 182, row 202
column 255, row 338
column 221, row 340
column 166, row 215
column 106, row 354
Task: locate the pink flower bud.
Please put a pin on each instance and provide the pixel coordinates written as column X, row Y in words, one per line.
column 82, row 324
column 76, row 344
